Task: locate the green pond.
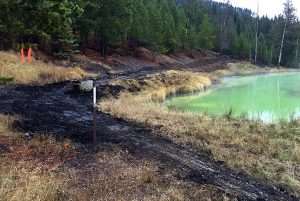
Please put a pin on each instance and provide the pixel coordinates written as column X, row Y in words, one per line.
column 268, row 97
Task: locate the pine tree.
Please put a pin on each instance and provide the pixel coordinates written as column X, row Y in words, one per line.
column 244, row 45
column 139, row 32
column 116, row 21
column 224, row 26
column 169, row 38
column 233, row 42
column 161, row 25
column 192, row 37
column 207, row 34
column 290, row 17
column 262, row 53
column 90, row 21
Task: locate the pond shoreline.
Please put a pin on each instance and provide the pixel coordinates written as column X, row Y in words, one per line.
column 242, row 144
column 186, row 144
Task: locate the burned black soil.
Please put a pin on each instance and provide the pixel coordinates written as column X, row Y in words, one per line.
column 54, row 110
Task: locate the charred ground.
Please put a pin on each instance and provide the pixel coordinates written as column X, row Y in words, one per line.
column 57, row 110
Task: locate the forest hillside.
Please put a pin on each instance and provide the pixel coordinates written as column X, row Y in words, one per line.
column 64, row 28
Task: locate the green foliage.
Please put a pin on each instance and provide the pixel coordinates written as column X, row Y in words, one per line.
column 43, row 22
column 62, row 27
column 207, row 34
column 233, row 42
column 6, row 81
column 244, row 46
column 192, row 37
column 116, row 19
column 139, row 31
column 262, row 49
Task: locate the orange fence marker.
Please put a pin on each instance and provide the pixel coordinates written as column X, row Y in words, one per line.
column 22, row 55
column 29, row 55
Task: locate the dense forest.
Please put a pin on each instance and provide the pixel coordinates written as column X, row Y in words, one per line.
column 66, row 27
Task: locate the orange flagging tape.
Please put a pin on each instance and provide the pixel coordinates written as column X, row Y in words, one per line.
column 29, row 55
column 22, row 55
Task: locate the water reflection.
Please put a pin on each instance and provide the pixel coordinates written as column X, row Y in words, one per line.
column 267, row 97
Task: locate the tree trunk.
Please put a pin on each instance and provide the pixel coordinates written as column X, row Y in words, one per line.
column 271, row 57
column 296, row 59
column 223, row 26
column 256, row 41
column 281, row 46
column 250, row 56
column 256, row 32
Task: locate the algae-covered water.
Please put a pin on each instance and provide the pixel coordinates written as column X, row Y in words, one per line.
column 266, row 97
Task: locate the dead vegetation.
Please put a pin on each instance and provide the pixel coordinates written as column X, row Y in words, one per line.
column 247, row 68
column 264, row 151
column 25, row 166
column 20, row 183
column 119, row 175
column 42, row 168
column 156, row 87
column 37, row 72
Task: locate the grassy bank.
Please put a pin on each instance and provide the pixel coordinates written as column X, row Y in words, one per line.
column 247, row 68
column 156, row 87
column 264, row 151
column 37, row 72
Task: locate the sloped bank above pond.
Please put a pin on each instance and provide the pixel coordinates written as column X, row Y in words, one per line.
column 270, row 152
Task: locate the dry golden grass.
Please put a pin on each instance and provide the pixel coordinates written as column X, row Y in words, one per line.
column 6, row 123
column 26, row 180
column 122, row 176
column 34, row 169
column 37, row 72
column 247, row 68
column 17, row 182
column 269, row 151
column 159, row 85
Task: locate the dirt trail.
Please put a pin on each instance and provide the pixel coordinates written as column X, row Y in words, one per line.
column 53, row 109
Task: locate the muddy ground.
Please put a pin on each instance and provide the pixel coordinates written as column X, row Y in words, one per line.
column 54, row 109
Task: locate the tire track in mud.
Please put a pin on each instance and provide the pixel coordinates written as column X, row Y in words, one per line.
column 52, row 109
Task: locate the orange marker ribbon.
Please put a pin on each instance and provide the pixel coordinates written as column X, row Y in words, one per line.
column 22, row 55
column 29, row 55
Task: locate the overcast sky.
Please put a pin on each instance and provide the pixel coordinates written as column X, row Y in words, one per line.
column 266, row 7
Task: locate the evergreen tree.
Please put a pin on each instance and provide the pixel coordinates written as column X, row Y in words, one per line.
column 139, row 32
column 161, row 25
column 244, row 45
column 169, row 38
column 262, row 53
column 156, row 29
column 116, row 19
column 290, row 17
column 233, row 42
column 192, row 37
column 207, row 34
column 90, row 21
